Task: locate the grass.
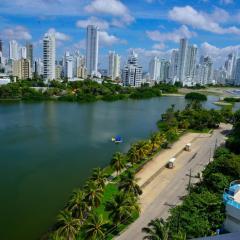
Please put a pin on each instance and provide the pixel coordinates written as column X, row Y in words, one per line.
column 109, row 191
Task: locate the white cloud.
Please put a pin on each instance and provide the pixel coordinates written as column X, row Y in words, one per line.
column 102, row 24
column 113, row 8
column 17, row 33
column 174, row 36
column 159, row 46
column 218, row 54
column 58, row 35
column 107, row 39
column 199, row 20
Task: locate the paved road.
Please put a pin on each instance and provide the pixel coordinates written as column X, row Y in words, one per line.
column 169, row 186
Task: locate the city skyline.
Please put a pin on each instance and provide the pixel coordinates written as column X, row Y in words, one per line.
column 157, row 25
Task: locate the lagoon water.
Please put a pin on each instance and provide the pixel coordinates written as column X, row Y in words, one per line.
column 50, row 148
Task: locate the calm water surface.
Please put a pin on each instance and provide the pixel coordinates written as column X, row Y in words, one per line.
column 50, row 148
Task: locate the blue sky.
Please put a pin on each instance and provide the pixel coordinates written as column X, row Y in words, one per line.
column 151, row 27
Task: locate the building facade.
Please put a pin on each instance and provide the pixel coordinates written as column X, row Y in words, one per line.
column 49, row 57
column 132, row 72
column 114, row 65
column 92, row 45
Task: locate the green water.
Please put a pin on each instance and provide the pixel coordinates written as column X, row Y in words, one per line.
column 50, row 148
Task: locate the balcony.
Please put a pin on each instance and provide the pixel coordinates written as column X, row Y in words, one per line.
column 231, row 196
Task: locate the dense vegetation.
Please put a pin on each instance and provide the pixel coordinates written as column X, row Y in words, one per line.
column 196, row 96
column 202, row 211
column 231, row 100
column 80, row 91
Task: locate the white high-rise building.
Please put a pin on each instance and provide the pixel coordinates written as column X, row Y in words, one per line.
column 237, row 77
column 154, row 69
column 13, row 50
column 68, row 71
column 78, row 61
column 132, row 73
column 204, row 72
column 23, row 52
column 92, row 49
column 114, row 65
column 49, row 56
column 230, row 66
column 191, row 62
column 182, row 57
column 174, row 65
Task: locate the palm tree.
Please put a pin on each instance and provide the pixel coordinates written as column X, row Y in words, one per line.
column 143, row 148
column 128, row 183
column 78, row 205
column 68, row 226
column 95, row 227
column 133, row 154
column 156, row 230
column 121, row 207
column 93, row 194
column 99, row 176
column 154, row 141
column 117, row 162
column 55, row 236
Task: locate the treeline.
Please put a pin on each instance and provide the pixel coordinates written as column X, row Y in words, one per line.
column 202, row 211
column 80, row 91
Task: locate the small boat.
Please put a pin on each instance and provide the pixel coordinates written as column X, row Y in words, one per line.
column 117, row 139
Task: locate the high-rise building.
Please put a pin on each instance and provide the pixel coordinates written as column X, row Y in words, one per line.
column 204, row 72
column 182, row 57
column 78, row 61
column 114, row 65
column 174, row 65
column 237, row 77
column 68, row 66
column 164, row 70
column 49, row 56
column 230, row 66
column 132, row 73
column 92, row 49
column 29, row 48
column 1, row 45
column 38, row 67
column 13, row 50
column 82, row 72
column 22, row 69
column 58, row 72
column 154, row 69
column 191, row 62
column 22, row 52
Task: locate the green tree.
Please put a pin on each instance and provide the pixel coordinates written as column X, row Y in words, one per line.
column 128, row 184
column 68, row 226
column 121, row 208
column 99, row 177
column 78, row 205
column 94, row 194
column 157, row 230
column 117, row 162
column 95, row 227
column 133, row 155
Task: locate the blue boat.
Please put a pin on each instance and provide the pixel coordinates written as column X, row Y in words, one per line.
column 117, row 139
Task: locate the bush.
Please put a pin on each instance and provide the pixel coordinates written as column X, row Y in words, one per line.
column 196, row 96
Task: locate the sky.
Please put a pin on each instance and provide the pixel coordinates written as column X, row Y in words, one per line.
column 150, row 27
